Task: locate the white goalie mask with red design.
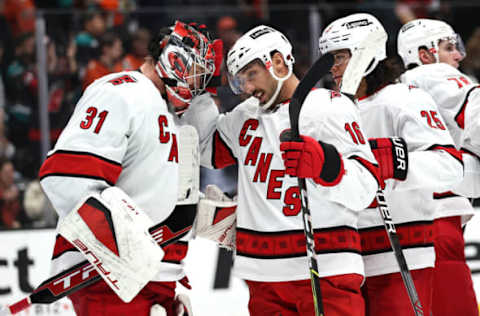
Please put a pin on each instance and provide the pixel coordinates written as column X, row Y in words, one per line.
column 187, row 63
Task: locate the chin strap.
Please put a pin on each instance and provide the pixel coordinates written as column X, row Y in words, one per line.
column 268, row 106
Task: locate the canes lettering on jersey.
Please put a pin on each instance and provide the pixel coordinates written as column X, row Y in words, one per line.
column 165, row 138
column 270, row 239
column 262, row 162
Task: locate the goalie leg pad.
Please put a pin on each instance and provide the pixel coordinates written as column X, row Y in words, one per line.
column 216, row 218
column 112, row 233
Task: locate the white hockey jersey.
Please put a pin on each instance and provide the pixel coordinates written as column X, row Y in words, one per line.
column 452, row 91
column 120, row 134
column 270, row 240
column 434, row 165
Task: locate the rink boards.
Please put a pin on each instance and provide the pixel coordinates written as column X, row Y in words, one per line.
column 24, row 263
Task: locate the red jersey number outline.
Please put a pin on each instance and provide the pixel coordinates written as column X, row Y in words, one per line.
column 91, row 115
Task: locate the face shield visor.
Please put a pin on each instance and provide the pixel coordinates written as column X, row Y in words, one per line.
column 455, row 42
column 246, row 79
column 243, row 78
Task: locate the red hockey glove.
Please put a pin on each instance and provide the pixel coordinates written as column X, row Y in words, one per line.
column 392, row 157
column 311, row 159
column 216, row 80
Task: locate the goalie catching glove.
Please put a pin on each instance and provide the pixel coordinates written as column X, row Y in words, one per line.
column 311, row 159
column 216, row 218
column 112, row 233
column 392, row 157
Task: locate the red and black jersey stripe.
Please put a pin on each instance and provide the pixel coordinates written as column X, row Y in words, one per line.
column 466, row 151
column 222, row 156
column 455, row 153
column 460, row 117
column 80, row 164
column 444, row 195
column 373, row 168
column 290, row 244
column 416, row 234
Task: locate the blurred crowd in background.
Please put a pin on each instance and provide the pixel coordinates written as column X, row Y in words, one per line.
column 87, row 39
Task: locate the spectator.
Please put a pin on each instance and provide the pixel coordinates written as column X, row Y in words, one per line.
column 111, row 50
column 7, row 150
column 21, row 89
column 139, row 50
column 9, row 196
column 20, row 15
column 408, row 10
column 2, row 87
column 37, row 207
column 227, row 31
column 87, row 40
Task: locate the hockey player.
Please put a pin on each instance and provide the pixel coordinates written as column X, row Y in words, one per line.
column 395, row 110
column 432, row 51
column 270, row 243
column 114, row 172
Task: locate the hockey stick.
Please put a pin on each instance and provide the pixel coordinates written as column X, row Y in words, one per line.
column 351, row 79
column 177, row 225
column 319, row 69
column 397, row 250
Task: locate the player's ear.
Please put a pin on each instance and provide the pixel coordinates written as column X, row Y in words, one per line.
column 278, row 64
column 425, row 56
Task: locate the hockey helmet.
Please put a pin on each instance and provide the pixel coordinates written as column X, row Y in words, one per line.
column 258, row 44
column 350, row 32
column 426, row 33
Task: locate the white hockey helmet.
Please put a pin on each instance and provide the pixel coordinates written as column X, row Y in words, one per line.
column 185, row 54
column 258, row 44
column 349, row 33
column 425, row 33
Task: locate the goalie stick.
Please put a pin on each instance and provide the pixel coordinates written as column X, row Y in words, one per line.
column 319, row 69
column 177, row 225
column 351, row 79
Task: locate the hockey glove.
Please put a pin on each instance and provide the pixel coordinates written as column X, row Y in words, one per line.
column 311, row 159
column 217, row 47
column 392, row 157
column 216, row 80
